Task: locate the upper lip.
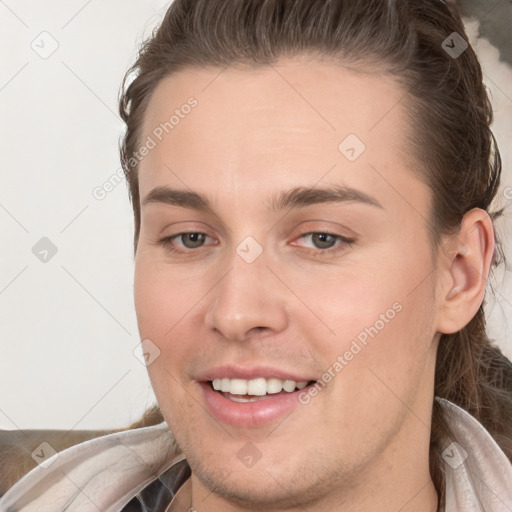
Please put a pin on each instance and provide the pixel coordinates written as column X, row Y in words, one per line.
column 230, row 371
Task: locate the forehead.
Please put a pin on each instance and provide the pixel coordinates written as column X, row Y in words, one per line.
column 314, row 96
column 274, row 126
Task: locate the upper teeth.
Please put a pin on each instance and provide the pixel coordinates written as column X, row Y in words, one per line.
column 258, row 387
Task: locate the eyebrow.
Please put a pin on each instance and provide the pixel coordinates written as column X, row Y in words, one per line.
column 298, row 197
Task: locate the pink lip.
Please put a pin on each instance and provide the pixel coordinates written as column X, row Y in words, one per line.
column 240, row 372
column 249, row 414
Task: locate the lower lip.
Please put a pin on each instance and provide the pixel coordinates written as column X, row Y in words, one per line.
column 249, row 414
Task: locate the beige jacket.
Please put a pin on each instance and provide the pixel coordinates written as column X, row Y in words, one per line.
column 109, row 472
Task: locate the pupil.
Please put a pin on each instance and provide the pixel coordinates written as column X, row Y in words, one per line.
column 322, row 237
column 197, row 239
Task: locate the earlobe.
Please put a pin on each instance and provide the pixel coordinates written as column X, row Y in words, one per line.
column 466, row 272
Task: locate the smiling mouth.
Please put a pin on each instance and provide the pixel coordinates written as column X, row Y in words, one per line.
column 241, row 390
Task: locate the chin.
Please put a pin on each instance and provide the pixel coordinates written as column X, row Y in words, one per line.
column 261, row 490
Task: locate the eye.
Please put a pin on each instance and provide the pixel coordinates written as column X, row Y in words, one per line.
column 326, row 242
column 190, row 241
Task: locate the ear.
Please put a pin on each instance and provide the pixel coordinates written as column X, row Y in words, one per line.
column 464, row 269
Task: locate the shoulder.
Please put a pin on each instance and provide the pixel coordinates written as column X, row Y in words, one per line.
column 477, row 470
column 104, row 472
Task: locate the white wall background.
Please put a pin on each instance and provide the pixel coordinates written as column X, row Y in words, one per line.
column 68, row 326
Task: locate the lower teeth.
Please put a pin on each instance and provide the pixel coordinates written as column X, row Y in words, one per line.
column 239, row 398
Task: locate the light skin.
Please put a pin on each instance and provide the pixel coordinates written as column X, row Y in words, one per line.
column 362, row 442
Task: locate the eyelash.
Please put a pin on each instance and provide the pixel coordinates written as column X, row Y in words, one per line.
column 344, row 242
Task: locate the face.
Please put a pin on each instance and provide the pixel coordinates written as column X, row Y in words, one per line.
column 263, row 281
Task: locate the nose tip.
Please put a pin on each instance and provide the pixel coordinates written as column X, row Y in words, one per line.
column 247, row 302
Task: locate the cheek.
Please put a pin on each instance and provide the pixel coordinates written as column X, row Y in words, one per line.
column 169, row 305
column 160, row 304
column 377, row 370
column 381, row 316
column 360, row 305
column 163, row 297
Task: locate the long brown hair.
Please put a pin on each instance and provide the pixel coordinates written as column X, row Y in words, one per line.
column 450, row 115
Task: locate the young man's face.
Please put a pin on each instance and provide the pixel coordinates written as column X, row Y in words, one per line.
column 340, row 293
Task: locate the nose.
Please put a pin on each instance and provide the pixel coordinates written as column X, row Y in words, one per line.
column 249, row 299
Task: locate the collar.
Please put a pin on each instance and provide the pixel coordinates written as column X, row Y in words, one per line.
column 478, row 473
